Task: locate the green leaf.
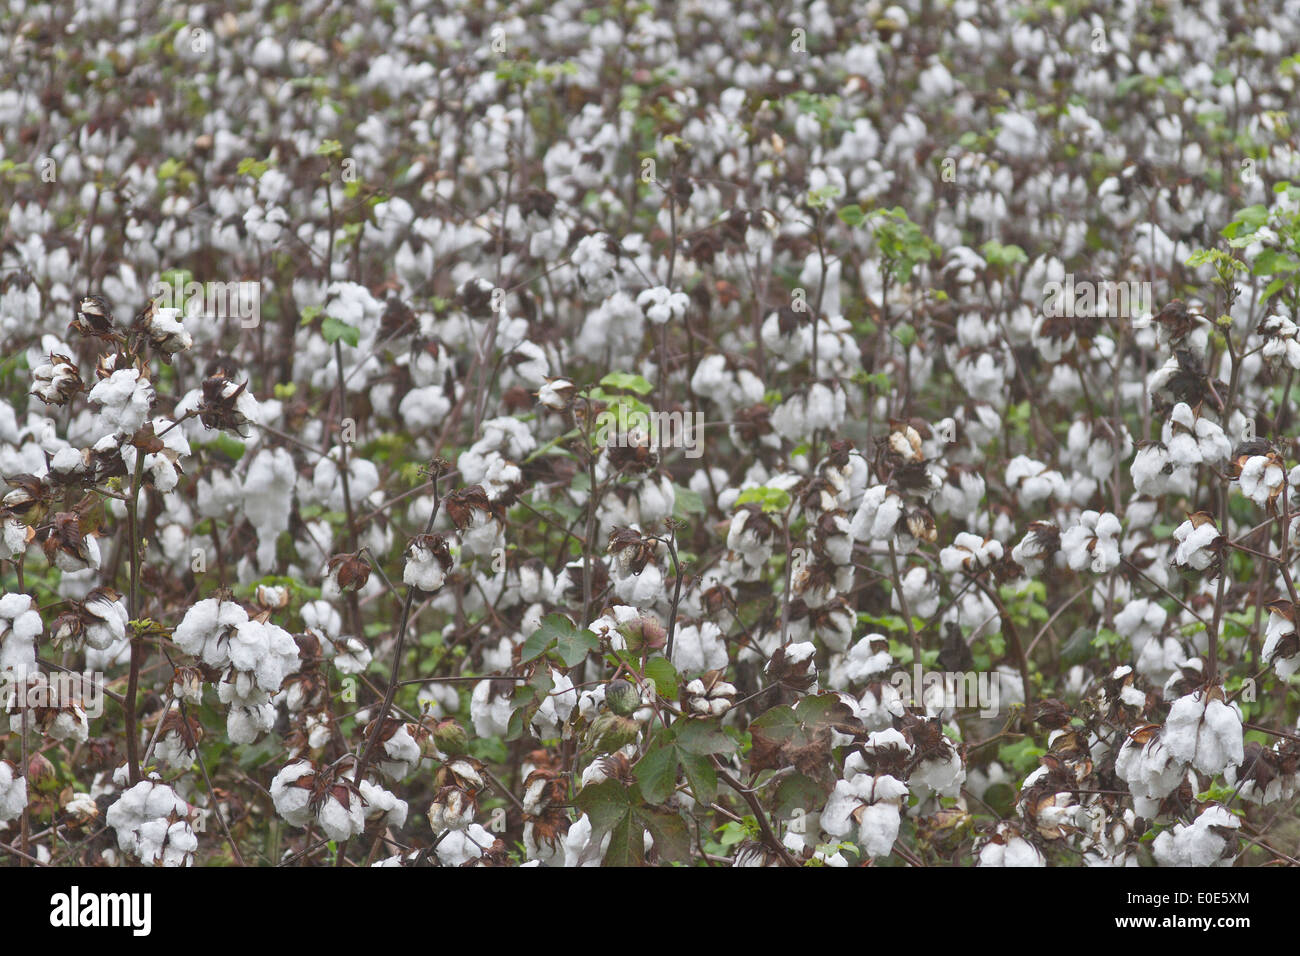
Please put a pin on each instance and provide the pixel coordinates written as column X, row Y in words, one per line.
column 672, row 840
column 228, row 445
column 701, row 776
column 687, row 502
column 703, row 737
column 169, row 168
column 628, row 381
column 1022, row 755
column 626, row 843
column 661, row 671
column 614, row 809
column 1272, row 262
column 822, row 196
column 656, row 773
column 771, row 499
column 334, row 329
column 605, row 804
column 798, row 792
column 559, row 633
column 248, row 166
column 852, row 215
column 996, row 254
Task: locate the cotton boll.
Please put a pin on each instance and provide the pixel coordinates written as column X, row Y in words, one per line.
column 1208, row 841
column 942, row 774
column 489, row 710
column 1281, row 646
column 699, row 648
column 970, row 552
column 424, row 409
column 203, row 631
column 1261, row 478
column 878, row 515
column 459, row 847
column 1033, row 480
column 327, row 483
column 1198, row 547
column 142, row 817
column 20, row 625
column 1148, row 766
column 268, row 490
column 921, row 592
column 125, row 398
column 1204, row 731
column 873, row 803
column 13, row 792
column 1007, row 848
column 640, row 589
column 1092, row 543
column 381, row 803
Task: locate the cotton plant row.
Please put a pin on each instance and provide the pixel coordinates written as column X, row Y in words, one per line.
column 634, row 407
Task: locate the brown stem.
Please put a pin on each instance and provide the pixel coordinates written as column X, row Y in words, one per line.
column 759, row 815
column 137, row 645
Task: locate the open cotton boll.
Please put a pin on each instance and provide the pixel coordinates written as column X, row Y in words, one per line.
column 872, row 805
column 248, row 717
column 423, row 409
column 943, row 774
column 428, row 560
column 1033, row 481
column 489, row 711
column 579, row 847
column 380, row 802
column 1205, row 732
column 1007, row 848
column 339, row 820
column 458, row 847
column 878, row 515
column 556, row 707
column 1260, row 479
column 266, row 651
column 1197, row 544
column 20, row 625
column 268, row 490
column 13, row 792
column 290, row 799
column 1281, row 647
column 751, row 535
column 1148, row 766
column 124, row 399
column 162, row 466
column 1208, row 841
column 143, row 820
column 868, row 658
column 970, row 552
column 203, row 632
column 699, row 648
column 1092, row 543
column 327, row 482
